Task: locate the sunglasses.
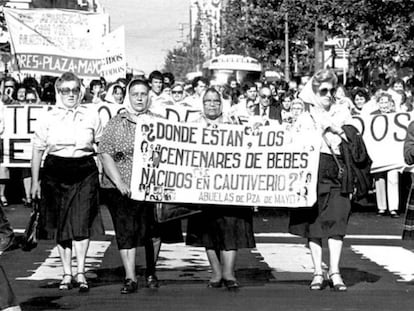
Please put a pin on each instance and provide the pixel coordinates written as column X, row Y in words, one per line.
column 266, row 96
column 325, row 91
column 177, row 92
column 31, row 101
column 67, row 91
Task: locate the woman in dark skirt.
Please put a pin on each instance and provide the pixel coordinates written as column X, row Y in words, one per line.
column 133, row 221
column 222, row 230
column 69, row 185
column 328, row 218
column 408, row 229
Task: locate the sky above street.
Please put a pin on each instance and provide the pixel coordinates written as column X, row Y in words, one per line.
column 152, row 27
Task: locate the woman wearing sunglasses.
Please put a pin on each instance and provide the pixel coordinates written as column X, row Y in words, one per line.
column 68, row 133
column 328, row 217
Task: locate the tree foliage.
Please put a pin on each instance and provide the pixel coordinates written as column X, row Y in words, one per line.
column 381, row 32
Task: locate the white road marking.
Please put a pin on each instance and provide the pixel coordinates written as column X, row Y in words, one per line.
column 51, row 268
column 183, row 262
column 395, row 259
column 288, row 235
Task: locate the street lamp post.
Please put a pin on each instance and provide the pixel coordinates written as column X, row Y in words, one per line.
column 287, row 71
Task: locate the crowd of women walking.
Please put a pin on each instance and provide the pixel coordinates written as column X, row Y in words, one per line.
column 72, row 141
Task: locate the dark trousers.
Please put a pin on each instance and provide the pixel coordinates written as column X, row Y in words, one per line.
column 7, row 298
column 5, row 228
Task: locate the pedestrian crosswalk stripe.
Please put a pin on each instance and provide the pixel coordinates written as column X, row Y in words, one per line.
column 285, row 259
column 51, row 268
column 395, row 259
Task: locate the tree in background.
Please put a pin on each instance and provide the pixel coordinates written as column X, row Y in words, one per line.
column 381, row 33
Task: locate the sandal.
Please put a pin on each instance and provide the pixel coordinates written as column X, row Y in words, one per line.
column 3, row 201
column 83, row 285
column 318, row 282
column 336, row 283
column 65, row 285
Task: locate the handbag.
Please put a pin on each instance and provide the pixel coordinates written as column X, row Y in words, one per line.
column 29, row 240
column 341, row 169
column 167, row 212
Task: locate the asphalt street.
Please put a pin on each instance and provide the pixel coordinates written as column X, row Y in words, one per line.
column 377, row 267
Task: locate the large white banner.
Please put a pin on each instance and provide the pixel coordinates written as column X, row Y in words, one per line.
column 53, row 41
column 384, row 136
column 229, row 164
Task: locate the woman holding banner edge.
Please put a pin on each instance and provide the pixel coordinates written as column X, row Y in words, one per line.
column 329, row 216
column 133, row 221
column 69, row 185
column 220, row 229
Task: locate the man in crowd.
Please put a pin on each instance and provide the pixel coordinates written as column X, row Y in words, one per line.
column 200, row 85
column 266, row 109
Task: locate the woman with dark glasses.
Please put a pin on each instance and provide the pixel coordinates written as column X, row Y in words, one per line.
column 68, row 133
column 328, row 217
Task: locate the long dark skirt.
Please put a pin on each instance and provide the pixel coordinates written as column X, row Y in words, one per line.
column 329, row 216
column 221, row 228
column 408, row 228
column 69, row 207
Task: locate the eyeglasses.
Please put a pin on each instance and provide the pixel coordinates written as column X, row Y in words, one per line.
column 67, row 91
column 31, row 101
column 177, row 92
column 265, row 96
column 325, row 91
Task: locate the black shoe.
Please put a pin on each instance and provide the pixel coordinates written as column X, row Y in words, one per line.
column 129, row 287
column 152, row 281
column 231, row 284
column 394, row 214
column 382, row 213
column 6, row 242
column 83, row 285
column 217, row 284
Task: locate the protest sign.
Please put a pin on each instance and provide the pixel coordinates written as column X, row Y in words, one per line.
column 54, row 41
column 114, row 59
column 229, row 164
column 384, row 136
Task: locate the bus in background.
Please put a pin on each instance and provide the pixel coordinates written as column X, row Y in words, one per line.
column 221, row 67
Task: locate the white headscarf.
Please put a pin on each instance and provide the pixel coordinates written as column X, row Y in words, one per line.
column 127, row 103
column 109, row 97
column 58, row 96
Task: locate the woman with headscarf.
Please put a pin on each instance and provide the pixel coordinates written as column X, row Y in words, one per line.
column 115, row 94
column 133, row 221
column 69, row 185
column 328, row 218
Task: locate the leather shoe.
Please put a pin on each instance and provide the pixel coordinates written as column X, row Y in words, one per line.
column 217, row 284
column 129, row 287
column 231, row 284
column 152, row 281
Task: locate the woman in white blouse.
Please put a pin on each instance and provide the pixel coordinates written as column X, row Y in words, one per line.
column 69, row 183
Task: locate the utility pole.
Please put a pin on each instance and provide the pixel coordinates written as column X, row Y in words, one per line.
column 319, row 48
column 287, row 71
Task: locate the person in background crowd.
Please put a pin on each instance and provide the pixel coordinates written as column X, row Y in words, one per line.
column 328, row 218
column 342, row 98
column 402, row 102
column 386, row 183
column 20, row 94
column 360, row 97
column 199, row 84
column 250, row 91
column 9, row 87
column 178, row 95
column 96, row 90
column 283, row 113
column 168, row 78
column 221, row 230
column 133, row 221
column 297, row 108
column 156, row 81
column 398, row 85
column 69, row 183
column 115, row 94
column 122, row 82
column 32, row 97
column 266, row 109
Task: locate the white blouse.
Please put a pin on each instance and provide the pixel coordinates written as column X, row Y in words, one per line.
column 69, row 133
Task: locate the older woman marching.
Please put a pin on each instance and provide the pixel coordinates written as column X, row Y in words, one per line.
column 69, row 183
column 133, row 221
column 221, row 230
column 328, row 218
